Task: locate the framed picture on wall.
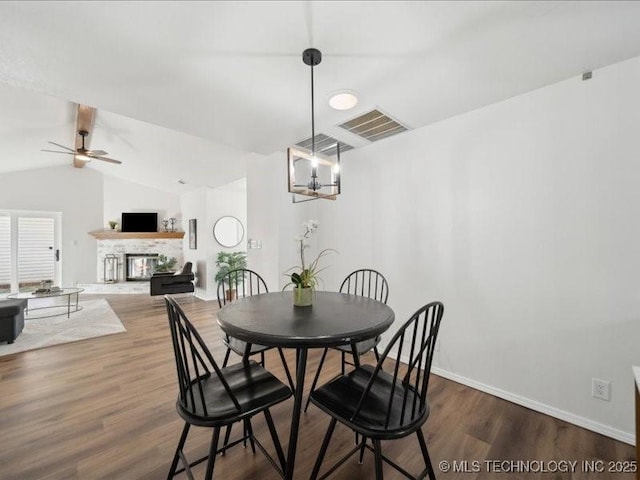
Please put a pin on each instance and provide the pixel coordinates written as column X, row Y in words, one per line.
column 193, row 233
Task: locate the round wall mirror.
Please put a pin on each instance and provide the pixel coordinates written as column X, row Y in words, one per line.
column 228, row 231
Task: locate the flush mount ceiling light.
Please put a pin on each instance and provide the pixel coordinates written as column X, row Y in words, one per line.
column 312, row 174
column 343, row 100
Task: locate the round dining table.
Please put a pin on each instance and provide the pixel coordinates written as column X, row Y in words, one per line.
column 334, row 319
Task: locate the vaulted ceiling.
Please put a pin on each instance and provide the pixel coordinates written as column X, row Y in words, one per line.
column 192, row 87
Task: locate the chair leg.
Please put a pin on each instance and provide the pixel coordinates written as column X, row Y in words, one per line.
column 286, row 369
column 276, row 440
column 226, row 439
column 342, row 362
column 323, row 449
column 212, row 453
column 425, row 454
column 262, row 358
column 376, row 353
column 226, row 357
column 377, row 448
column 364, row 443
column 244, row 434
column 176, row 457
column 315, row 379
column 247, row 422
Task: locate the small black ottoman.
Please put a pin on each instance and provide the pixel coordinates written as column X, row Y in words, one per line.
column 11, row 319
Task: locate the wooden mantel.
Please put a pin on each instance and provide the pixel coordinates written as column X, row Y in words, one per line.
column 115, row 235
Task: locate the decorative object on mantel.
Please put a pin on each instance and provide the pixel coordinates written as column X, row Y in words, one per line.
column 227, row 262
column 312, row 174
column 305, row 277
column 113, row 224
column 169, row 224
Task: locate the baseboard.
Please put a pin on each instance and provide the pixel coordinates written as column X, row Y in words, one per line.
column 577, row 420
column 540, row 407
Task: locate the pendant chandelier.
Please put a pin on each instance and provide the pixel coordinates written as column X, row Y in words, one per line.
column 312, row 174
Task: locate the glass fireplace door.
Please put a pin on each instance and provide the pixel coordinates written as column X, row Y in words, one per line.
column 140, row 266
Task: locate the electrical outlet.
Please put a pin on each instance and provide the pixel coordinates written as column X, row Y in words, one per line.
column 600, row 389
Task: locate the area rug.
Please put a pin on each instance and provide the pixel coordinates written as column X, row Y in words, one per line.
column 94, row 320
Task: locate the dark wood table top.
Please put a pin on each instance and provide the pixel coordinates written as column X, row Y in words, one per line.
column 334, row 319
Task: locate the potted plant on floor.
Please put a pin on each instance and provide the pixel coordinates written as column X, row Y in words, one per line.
column 226, row 262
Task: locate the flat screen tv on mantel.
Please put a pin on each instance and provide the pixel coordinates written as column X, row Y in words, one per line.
column 139, row 222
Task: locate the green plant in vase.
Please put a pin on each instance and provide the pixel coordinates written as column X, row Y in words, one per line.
column 304, row 277
column 228, row 262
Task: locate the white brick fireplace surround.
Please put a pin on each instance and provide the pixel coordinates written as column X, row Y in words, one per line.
column 118, row 243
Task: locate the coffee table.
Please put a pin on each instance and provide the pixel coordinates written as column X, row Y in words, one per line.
column 63, row 292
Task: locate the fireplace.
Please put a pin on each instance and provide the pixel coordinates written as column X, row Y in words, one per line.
column 140, row 266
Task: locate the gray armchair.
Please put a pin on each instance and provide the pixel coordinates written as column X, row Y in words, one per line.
column 11, row 319
column 169, row 283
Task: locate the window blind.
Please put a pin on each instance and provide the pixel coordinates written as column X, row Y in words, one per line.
column 35, row 249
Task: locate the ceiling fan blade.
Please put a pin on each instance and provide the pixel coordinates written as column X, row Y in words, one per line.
column 105, row 159
column 96, row 152
column 55, row 151
column 62, row 146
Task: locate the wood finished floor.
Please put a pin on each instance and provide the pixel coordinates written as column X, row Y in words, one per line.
column 104, row 408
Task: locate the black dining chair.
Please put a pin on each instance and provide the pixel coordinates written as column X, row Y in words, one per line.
column 239, row 283
column 385, row 404
column 215, row 397
column 366, row 283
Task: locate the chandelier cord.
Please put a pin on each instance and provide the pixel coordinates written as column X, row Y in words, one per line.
column 313, row 126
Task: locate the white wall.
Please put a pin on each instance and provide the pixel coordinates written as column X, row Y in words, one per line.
column 273, row 219
column 77, row 194
column 207, row 205
column 522, row 218
column 124, row 196
column 193, row 205
column 229, row 200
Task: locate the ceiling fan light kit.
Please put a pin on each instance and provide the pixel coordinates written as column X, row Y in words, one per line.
column 312, row 174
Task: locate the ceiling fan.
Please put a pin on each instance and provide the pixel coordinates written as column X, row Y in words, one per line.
column 82, row 153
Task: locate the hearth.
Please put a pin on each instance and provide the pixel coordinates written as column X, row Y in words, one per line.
column 140, row 266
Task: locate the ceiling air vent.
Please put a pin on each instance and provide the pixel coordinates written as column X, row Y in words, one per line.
column 325, row 145
column 373, row 126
